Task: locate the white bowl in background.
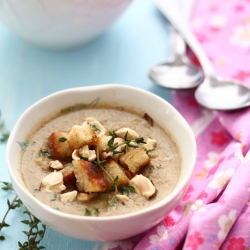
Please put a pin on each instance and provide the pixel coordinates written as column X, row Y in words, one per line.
column 60, row 24
column 114, row 227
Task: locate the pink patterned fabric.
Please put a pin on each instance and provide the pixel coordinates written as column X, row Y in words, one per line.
column 215, row 211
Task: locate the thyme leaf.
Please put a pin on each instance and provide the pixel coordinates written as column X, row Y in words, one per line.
column 37, row 229
column 62, row 139
column 4, row 133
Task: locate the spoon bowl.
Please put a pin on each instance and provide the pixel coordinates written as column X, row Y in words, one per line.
column 212, row 93
column 178, row 72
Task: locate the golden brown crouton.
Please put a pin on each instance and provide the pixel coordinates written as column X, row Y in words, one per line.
column 89, row 177
column 115, row 170
column 59, row 149
column 69, row 178
column 80, row 136
column 135, row 160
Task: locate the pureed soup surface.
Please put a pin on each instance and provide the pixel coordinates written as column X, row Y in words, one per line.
column 163, row 170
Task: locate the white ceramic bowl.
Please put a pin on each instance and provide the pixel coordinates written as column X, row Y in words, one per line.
column 103, row 228
column 60, row 24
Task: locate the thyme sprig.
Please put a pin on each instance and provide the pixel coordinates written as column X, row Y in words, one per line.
column 37, row 229
column 4, row 133
column 126, row 143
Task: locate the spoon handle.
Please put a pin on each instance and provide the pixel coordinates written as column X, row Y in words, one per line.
column 172, row 11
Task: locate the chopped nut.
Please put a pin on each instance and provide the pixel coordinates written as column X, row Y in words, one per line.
column 85, row 196
column 57, row 165
column 150, row 145
column 68, row 197
column 84, row 153
column 143, row 186
column 131, row 134
column 122, row 197
column 98, row 127
column 53, row 182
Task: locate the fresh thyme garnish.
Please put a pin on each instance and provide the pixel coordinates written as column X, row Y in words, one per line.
column 36, row 230
column 4, row 133
column 54, row 197
column 95, row 128
column 126, row 190
column 151, row 169
column 99, row 163
column 62, row 139
column 25, row 144
column 87, row 211
column 45, row 154
column 110, row 202
column 126, row 143
column 84, row 158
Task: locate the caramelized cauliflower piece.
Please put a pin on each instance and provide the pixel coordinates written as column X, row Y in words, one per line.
column 59, row 149
column 135, row 160
column 89, row 177
column 80, row 136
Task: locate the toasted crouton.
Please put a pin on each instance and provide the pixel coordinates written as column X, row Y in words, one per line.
column 69, row 178
column 89, row 177
column 115, row 170
column 135, row 160
column 80, row 136
column 59, row 150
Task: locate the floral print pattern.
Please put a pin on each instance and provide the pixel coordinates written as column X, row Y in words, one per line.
column 225, row 222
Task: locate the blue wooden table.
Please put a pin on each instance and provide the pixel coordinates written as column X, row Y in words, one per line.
column 123, row 54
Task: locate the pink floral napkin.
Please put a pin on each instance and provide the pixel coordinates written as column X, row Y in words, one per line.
column 215, row 211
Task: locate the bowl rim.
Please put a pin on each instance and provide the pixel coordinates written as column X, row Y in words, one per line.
column 144, row 211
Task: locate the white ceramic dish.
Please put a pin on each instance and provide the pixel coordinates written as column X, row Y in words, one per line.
column 57, row 24
column 103, row 228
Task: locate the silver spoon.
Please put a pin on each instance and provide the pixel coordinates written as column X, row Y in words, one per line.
column 213, row 93
column 178, row 72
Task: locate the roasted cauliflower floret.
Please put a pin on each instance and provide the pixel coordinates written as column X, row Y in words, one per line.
column 80, row 136
column 115, row 170
column 59, row 147
column 89, row 177
column 135, row 160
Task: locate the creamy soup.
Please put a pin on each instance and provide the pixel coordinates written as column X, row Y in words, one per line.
column 162, row 169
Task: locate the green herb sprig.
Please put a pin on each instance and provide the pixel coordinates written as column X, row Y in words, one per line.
column 126, row 143
column 37, row 229
column 4, row 133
